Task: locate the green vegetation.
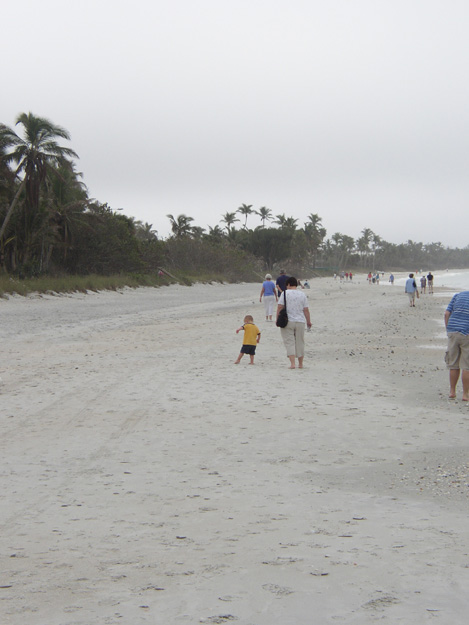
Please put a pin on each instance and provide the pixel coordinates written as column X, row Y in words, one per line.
column 81, row 284
column 53, row 237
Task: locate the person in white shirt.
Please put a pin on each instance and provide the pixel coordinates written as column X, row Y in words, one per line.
column 298, row 317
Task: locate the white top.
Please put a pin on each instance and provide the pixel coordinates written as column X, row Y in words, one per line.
column 296, row 302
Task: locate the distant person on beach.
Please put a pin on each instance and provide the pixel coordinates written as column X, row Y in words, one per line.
column 281, row 282
column 411, row 289
column 269, row 293
column 457, row 356
column 298, row 316
column 252, row 336
column 430, row 282
column 306, row 284
column 391, row 278
column 423, row 284
column 370, row 277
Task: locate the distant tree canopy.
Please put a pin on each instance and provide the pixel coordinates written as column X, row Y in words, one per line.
column 49, row 225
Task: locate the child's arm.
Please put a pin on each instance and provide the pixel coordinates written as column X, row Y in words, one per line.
column 239, row 329
column 259, row 337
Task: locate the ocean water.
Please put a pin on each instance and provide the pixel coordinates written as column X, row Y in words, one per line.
column 457, row 280
column 451, row 279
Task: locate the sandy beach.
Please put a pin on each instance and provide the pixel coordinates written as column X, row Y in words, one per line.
column 146, row 479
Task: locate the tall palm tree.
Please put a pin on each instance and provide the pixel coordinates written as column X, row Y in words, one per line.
column 229, row 219
column 376, row 244
column 67, row 200
column 342, row 247
column 180, row 225
column 363, row 244
column 246, row 210
column 315, row 234
column 36, row 156
column 265, row 214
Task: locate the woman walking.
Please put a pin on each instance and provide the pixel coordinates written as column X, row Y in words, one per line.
column 270, row 296
column 298, row 316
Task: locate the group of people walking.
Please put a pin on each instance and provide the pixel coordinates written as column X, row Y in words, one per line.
column 411, row 287
column 288, row 296
column 287, row 293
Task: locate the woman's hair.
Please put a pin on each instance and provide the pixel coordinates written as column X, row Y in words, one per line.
column 268, row 276
column 292, row 281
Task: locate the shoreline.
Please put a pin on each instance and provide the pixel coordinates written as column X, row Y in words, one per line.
column 149, row 479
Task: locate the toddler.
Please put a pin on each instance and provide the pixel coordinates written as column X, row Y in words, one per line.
column 252, row 336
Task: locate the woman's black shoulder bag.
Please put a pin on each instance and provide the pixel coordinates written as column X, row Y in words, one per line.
column 282, row 319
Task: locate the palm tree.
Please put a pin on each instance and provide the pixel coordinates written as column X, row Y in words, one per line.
column 286, row 222
column 363, row 244
column 215, row 233
column 7, row 177
column 145, row 232
column 315, row 234
column 246, row 210
column 67, row 200
column 37, row 155
column 229, row 219
column 180, row 225
column 197, row 232
column 375, row 246
column 342, row 247
column 265, row 214
column 280, row 220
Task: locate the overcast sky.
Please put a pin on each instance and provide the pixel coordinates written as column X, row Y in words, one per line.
column 357, row 110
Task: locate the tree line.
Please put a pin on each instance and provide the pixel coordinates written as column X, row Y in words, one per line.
column 50, row 225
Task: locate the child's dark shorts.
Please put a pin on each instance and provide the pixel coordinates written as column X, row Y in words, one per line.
column 248, row 349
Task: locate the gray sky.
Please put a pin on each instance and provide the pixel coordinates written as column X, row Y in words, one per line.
column 357, row 110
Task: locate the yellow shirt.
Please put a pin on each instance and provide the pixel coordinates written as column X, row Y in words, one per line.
column 251, row 332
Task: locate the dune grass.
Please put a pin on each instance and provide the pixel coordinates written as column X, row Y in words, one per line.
column 11, row 285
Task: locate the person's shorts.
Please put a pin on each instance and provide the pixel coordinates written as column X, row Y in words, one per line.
column 457, row 356
column 248, row 349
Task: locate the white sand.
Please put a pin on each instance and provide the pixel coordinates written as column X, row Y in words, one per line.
column 146, row 479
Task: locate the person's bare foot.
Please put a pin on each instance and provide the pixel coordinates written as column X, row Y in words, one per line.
column 236, row 362
column 451, row 396
column 292, row 367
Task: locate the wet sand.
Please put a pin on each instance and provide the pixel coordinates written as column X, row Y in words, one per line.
column 146, row 479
